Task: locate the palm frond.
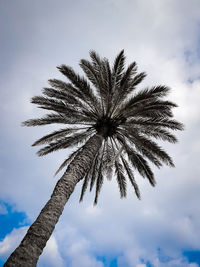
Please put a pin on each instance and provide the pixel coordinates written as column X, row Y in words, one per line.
column 99, row 183
column 102, row 71
column 121, row 179
column 136, row 80
column 67, row 88
column 60, row 95
column 59, row 106
column 127, row 75
column 55, row 135
column 155, row 109
column 123, row 89
column 131, row 177
column 44, row 101
column 118, row 67
column 156, row 122
column 96, row 62
column 138, row 162
column 66, row 142
column 142, row 142
column 99, row 180
column 84, row 186
column 108, row 160
column 95, row 169
column 126, row 88
column 108, row 77
column 68, row 160
column 63, row 86
column 69, row 100
column 92, row 175
column 84, row 87
column 159, row 134
column 90, row 72
column 145, row 96
column 49, row 119
column 151, row 157
column 151, row 131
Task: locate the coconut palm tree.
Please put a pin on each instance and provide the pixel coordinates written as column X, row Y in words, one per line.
column 111, row 123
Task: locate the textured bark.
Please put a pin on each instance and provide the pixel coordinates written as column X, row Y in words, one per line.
column 28, row 252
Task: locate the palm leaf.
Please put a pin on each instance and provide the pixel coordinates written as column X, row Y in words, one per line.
column 95, row 169
column 108, row 160
column 142, row 142
column 144, row 96
column 84, row 87
column 121, row 179
column 131, row 177
column 90, row 72
column 49, row 119
column 65, row 142
column 84, row 186
column 118, row 67
column 55, row 135
column 159, row 134
column 99, row 180
column 156, row 122
column 68, row 160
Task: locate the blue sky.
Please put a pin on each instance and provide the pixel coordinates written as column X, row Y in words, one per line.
column 161, row 230
column 9, row 219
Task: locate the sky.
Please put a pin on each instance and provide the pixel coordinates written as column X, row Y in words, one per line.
column 163, row 37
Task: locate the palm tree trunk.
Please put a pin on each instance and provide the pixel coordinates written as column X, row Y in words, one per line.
column 29, row 250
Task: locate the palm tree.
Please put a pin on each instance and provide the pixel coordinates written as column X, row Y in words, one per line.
column 112, row 125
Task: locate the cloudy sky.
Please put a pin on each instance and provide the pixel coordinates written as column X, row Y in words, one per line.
column 163, row 37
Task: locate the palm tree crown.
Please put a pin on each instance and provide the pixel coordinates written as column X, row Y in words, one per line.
column 109, row 105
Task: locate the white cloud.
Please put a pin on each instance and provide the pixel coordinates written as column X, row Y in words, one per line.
column 173, row 263
column 163, row 37
column 76, row 248
column 11, row 241
column 50, row 256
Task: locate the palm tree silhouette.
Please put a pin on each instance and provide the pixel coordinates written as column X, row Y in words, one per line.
column 113, row 125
